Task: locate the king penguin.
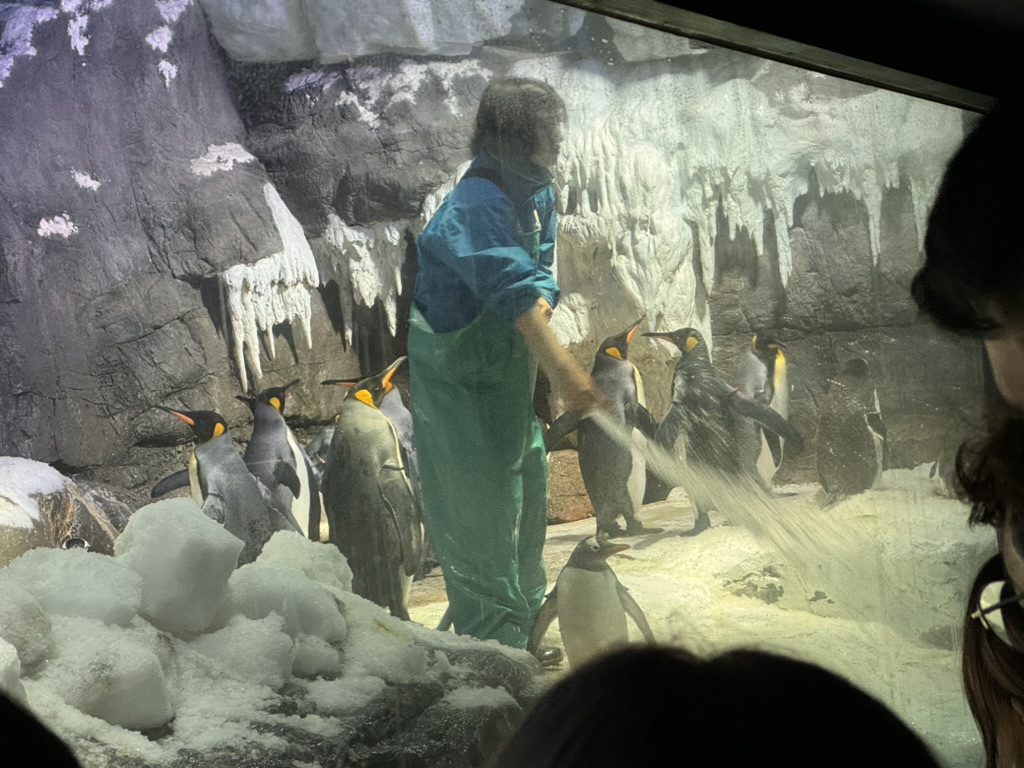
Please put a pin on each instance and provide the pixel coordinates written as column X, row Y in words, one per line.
column 851, row 437
column 614, row 474
column 370, row 506
column 699, row 428
column 590, row 604
column 762, row 374
column 275, row 457
column 222, row 485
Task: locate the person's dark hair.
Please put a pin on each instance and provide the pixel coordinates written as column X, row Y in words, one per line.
column 514, row 116
column 993, row 674
column 988, row 472
column 643, row 704
column 25, row 735
column 973, row 262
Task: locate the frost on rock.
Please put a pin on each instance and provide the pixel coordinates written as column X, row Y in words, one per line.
column 366, row 262
column 220, row 157
column 376, row 91
column 171, row 10
column 21, row 481
column 271, row 291
column 58, row 226
column 84, row 180
column 160, row 39
column 168, row 70
column 16, row 35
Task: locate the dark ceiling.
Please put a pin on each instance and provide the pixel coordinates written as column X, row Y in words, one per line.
column 961, row 52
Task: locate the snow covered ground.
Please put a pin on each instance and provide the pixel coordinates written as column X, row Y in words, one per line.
column 871, row 588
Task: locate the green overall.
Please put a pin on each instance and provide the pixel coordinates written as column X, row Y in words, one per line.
column 483, row 470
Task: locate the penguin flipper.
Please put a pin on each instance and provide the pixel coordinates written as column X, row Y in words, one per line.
column 285, row 474
column 767, row 418
column 314, row 502
column 396, row 492
column 635, row 613
column 564, row 425
column 446, row 620
column 645, row 422
column 545, row 616
column 170, row 483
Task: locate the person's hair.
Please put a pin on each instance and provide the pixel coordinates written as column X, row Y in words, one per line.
column 988, row 475
column 743, row 707
column 514, row 116
column 993, row 675
column 973, row 263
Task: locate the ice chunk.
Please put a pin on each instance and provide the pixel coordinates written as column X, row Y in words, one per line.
column 253, row 649
column 109, row 672
column 323, row 563
column 10, row 672
column 256, row 590
column 314, row 657
column 74, row 582
column 20, row 481
column 23, row 623
column 184, row 559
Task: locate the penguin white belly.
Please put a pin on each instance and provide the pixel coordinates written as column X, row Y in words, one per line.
column 765, row 461
column 636, row 484
column 300, row 506
column 591, row 618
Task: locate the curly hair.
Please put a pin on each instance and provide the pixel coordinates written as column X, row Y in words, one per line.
column 514, row 117
column 988, row 472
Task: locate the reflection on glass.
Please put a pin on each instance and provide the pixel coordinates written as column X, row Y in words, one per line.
column 193, row 217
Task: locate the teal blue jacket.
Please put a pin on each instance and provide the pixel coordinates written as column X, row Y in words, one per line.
column 489, row 248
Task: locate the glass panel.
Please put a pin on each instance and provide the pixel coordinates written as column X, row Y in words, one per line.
column 212, row 199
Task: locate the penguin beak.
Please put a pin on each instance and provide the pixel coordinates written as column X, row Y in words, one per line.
column 290, row 384
column 613, row 549
column 347, row 383
column 632, row 331
column 187, row 419
column 386, row 379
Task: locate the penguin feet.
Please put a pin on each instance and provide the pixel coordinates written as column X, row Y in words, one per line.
column 700, row 524
column 636, row 528
column 612, row 530
column 548, row 656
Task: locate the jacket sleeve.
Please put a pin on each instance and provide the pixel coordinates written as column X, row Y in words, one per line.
column 547, row 284
column 481, row 239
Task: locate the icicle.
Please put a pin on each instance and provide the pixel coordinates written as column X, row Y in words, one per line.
column 367, row 265
column 271, row 291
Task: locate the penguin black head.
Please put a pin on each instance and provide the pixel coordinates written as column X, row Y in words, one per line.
column 593, row 552
column 272, row 396
column 371, row 391
column 686, row 339
column 206, row 425
column 617, row 346
column 765, row 346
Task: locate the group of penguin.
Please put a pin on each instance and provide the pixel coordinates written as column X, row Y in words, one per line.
column 354, row 487
column 717, row 435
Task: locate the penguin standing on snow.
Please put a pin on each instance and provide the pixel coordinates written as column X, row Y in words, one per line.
column 699, row 428
column 762, row 375
column 851, row 437
column 370, row 506
column 613, row 474
column 223, row 486
column 276, row 458
column 590, row 604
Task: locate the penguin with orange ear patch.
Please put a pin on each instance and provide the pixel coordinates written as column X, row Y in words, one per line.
column 613, row 474
column 275, row 457
column 222, row 485
column 369, row 502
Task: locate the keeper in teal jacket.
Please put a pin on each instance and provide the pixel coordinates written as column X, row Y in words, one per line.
column 479, row 324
